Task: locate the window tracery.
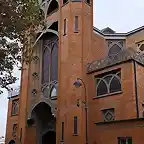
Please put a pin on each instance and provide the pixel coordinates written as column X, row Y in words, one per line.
column 108, row 83
column 35, row 75
column 35, row 59
column 115, row 47
column 34, row 92
column 50, row 61
column 108, row 114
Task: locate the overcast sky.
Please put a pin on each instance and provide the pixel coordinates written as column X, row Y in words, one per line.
column 120, row 15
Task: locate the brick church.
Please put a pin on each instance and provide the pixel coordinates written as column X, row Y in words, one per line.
column 83, row 86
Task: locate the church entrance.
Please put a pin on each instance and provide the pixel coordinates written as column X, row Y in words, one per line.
column 45, row 123
column 49, row 137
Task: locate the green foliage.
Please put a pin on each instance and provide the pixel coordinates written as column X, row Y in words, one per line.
column 16, row 18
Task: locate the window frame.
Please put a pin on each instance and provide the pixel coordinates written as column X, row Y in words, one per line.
column 15, row 102
column 76, row 24
column 52, row 42
column 114, row 73
column 62, row 131
column 75, row 126
column 106, row 111
column 65, row 27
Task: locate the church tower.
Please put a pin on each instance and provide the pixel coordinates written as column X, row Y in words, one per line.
column 75, row 42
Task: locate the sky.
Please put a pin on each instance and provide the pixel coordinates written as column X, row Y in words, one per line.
column 120, row 15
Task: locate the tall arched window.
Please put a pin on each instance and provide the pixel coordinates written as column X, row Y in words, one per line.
column 54, row 62
column 50, row 59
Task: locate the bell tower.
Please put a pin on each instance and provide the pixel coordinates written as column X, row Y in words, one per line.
column 75, row 42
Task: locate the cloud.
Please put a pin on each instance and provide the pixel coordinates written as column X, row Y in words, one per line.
column 120, row 15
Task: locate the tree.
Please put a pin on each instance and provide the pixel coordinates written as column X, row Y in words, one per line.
column 18, row 22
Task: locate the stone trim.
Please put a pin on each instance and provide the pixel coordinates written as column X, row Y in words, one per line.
column 125, row 55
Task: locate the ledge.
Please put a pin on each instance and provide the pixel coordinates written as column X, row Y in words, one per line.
column 106, row 95
column 75, row 134
column 120, row 121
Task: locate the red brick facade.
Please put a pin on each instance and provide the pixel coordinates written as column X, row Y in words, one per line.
column 84, row 54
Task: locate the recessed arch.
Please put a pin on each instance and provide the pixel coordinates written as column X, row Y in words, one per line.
column 53, row 6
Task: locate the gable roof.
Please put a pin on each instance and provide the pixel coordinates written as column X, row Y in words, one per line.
column 104, row 32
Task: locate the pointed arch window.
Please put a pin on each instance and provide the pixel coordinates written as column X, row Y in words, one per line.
column 114, row 50
column 15, row 107
column 50, row 60
column 108, row 83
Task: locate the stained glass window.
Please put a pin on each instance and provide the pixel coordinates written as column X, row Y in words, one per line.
column 54, row 62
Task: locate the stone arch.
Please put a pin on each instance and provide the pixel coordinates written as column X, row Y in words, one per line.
column 45, row 101
column 41, row 116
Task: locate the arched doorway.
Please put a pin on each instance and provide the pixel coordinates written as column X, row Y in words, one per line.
column 45, row 123
column 49, row 137
column 12, row 142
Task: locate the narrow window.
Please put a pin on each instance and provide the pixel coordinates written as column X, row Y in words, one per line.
column 76, row 24
column 124, row 140
column 75, row 125
column 143, row 110
column 14, row 130
column 21, row 135
column 62, row 134
column 15, row 107
column 64, row 26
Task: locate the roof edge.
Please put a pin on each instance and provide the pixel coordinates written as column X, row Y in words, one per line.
column 118, row 34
